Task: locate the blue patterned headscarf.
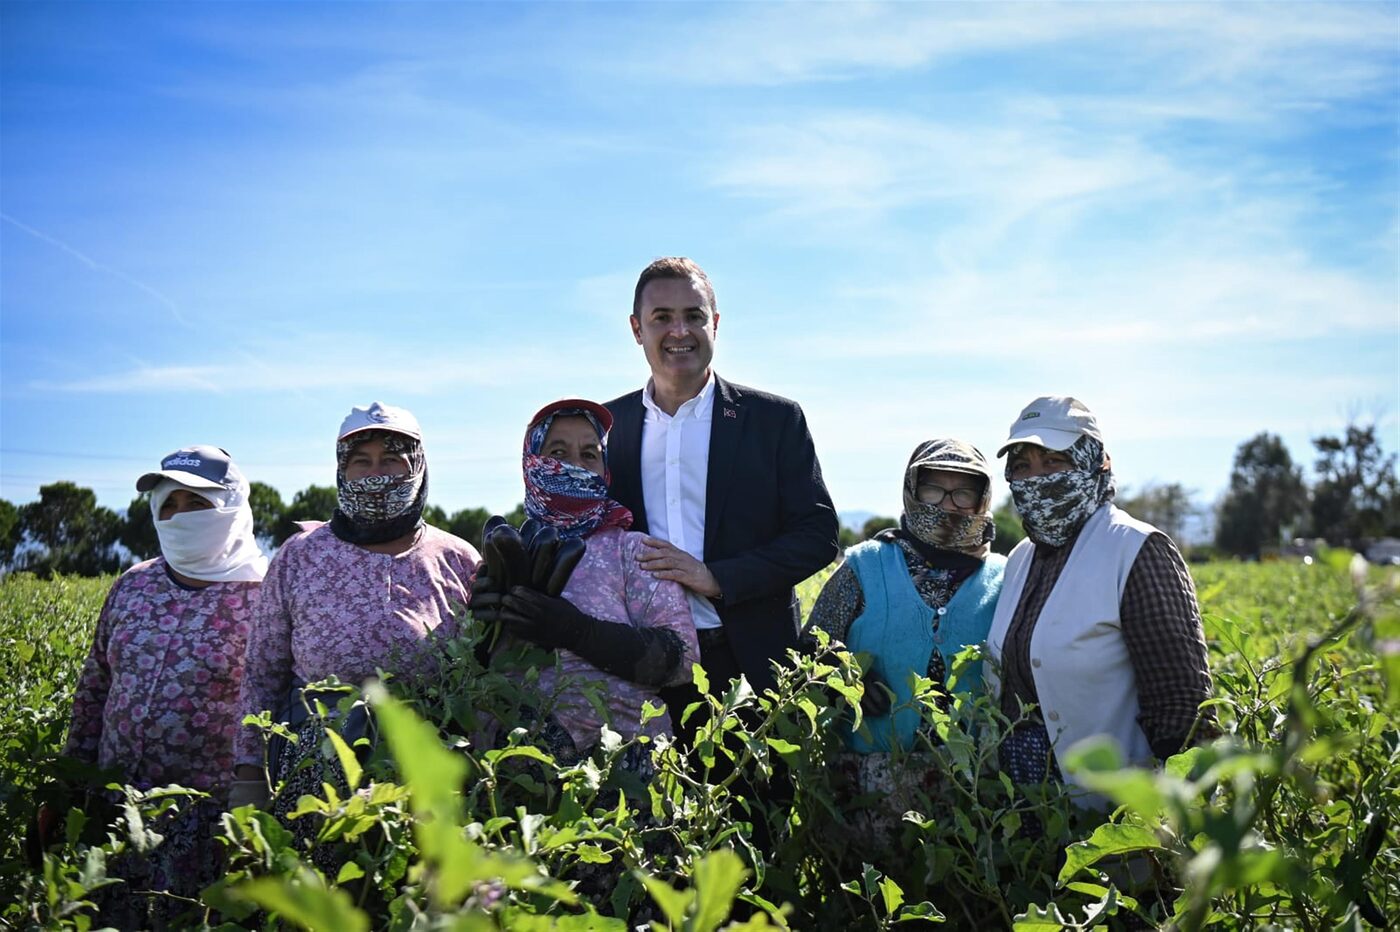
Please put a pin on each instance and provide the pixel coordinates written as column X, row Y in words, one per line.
column 569, row 498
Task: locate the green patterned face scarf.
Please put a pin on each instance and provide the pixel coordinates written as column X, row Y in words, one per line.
column 1053, row 508
column 930, row 524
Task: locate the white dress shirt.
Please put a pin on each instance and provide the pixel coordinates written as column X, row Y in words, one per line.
column 675, row 464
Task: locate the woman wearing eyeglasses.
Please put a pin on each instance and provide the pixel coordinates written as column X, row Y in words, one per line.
column 916, row 595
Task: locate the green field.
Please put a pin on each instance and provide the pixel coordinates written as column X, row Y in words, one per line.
column 1287, row 821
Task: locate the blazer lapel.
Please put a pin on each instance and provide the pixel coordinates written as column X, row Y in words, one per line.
column 625, row 456
column 726, row 432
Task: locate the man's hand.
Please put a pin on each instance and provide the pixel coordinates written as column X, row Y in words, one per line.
column 665, row 560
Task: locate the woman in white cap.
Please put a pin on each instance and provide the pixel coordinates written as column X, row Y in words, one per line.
column 1098, row 625
column 366, row 591
column 157, row 698
column 912, row 598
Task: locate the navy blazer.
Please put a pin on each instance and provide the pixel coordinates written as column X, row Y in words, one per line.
column 769, row 521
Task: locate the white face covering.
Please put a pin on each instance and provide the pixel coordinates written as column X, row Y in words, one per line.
column 213, row 545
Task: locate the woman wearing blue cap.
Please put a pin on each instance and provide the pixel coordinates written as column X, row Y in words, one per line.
column 1098, row 626
column 157, row 698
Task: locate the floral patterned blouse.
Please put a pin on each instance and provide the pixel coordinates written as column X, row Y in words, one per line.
column 331, row 608
column 610, row 585
column 157, row 697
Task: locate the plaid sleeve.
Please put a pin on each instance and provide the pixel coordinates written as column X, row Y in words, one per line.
column 1161, row 625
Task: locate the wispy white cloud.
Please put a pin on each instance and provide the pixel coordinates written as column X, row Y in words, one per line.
column 1270, row 50
column 398, row 369
column 96, row 266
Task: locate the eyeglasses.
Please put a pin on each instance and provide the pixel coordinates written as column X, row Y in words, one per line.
column 962, row 497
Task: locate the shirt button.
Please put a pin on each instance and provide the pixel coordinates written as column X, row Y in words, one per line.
column 1054, row 716
column 1035, row 662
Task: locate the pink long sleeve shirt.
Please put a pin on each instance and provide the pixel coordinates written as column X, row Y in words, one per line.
column 157, row 697
column 330, row 608
column 609, row 584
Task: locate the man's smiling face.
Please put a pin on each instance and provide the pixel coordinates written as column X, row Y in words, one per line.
column 676, row 327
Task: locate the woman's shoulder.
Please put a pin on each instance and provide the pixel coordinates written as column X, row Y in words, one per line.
column 624, row 539
column 155, row 566
column 143, row 575
column 437, row 540
column 311, row 543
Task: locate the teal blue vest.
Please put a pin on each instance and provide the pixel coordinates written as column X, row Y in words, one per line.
column 896, row 630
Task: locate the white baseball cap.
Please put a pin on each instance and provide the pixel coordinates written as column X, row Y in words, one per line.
column 380, row 417
column 1054, row 422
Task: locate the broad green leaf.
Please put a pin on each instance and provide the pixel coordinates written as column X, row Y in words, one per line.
column 921, row 912
column 783, row 746
column 892, row 895
column 674, row 903
column 349, row 871
column 1106, row 841
column 303, row 901
column 718, row 877
column 348, row 761
column 1039, row 919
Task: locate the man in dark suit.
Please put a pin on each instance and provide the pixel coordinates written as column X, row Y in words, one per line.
column 724, row 479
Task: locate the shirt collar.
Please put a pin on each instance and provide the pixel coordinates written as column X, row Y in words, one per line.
column 698, row 407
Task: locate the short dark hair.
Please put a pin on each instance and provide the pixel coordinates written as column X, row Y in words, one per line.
column 672, row 267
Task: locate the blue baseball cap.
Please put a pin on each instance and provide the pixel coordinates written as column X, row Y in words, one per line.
column 200, row 467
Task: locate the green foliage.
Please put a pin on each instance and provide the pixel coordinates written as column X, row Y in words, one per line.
column 267, row 507
column 1165, row 506
column 66, row 532
column 1266, row 500
column 9, row 531
column 313, row 503
column 468, row 524
column 1357, row 495
column 138, row 532
column 875, row 525
column 1285, row 821
column 1009, row 530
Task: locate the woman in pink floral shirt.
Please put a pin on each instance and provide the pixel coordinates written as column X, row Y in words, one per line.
column 365, row 592
column 157, row 698
column 619, row 633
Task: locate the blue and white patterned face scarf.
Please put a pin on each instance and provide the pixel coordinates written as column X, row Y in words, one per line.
column 1053, row 508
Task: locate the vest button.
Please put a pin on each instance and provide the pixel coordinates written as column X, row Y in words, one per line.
column 1054, row 716
column 1035, row 661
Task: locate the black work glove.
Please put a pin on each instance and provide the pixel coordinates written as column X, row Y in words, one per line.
column 485, row 602
column 547, row 621
column 875, row 703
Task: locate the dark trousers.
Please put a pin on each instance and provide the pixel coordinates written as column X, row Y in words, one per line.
column 720, row 665
column 722, row 668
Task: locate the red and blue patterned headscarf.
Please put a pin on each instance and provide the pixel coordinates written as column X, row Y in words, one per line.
column 571, row 499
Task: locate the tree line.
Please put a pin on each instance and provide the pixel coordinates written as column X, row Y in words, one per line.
column 65, row 531
column 1354, row 499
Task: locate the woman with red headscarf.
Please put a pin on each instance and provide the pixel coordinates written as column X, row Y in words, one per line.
column 617, row 631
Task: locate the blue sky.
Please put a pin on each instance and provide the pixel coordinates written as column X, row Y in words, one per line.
column 227, row 223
